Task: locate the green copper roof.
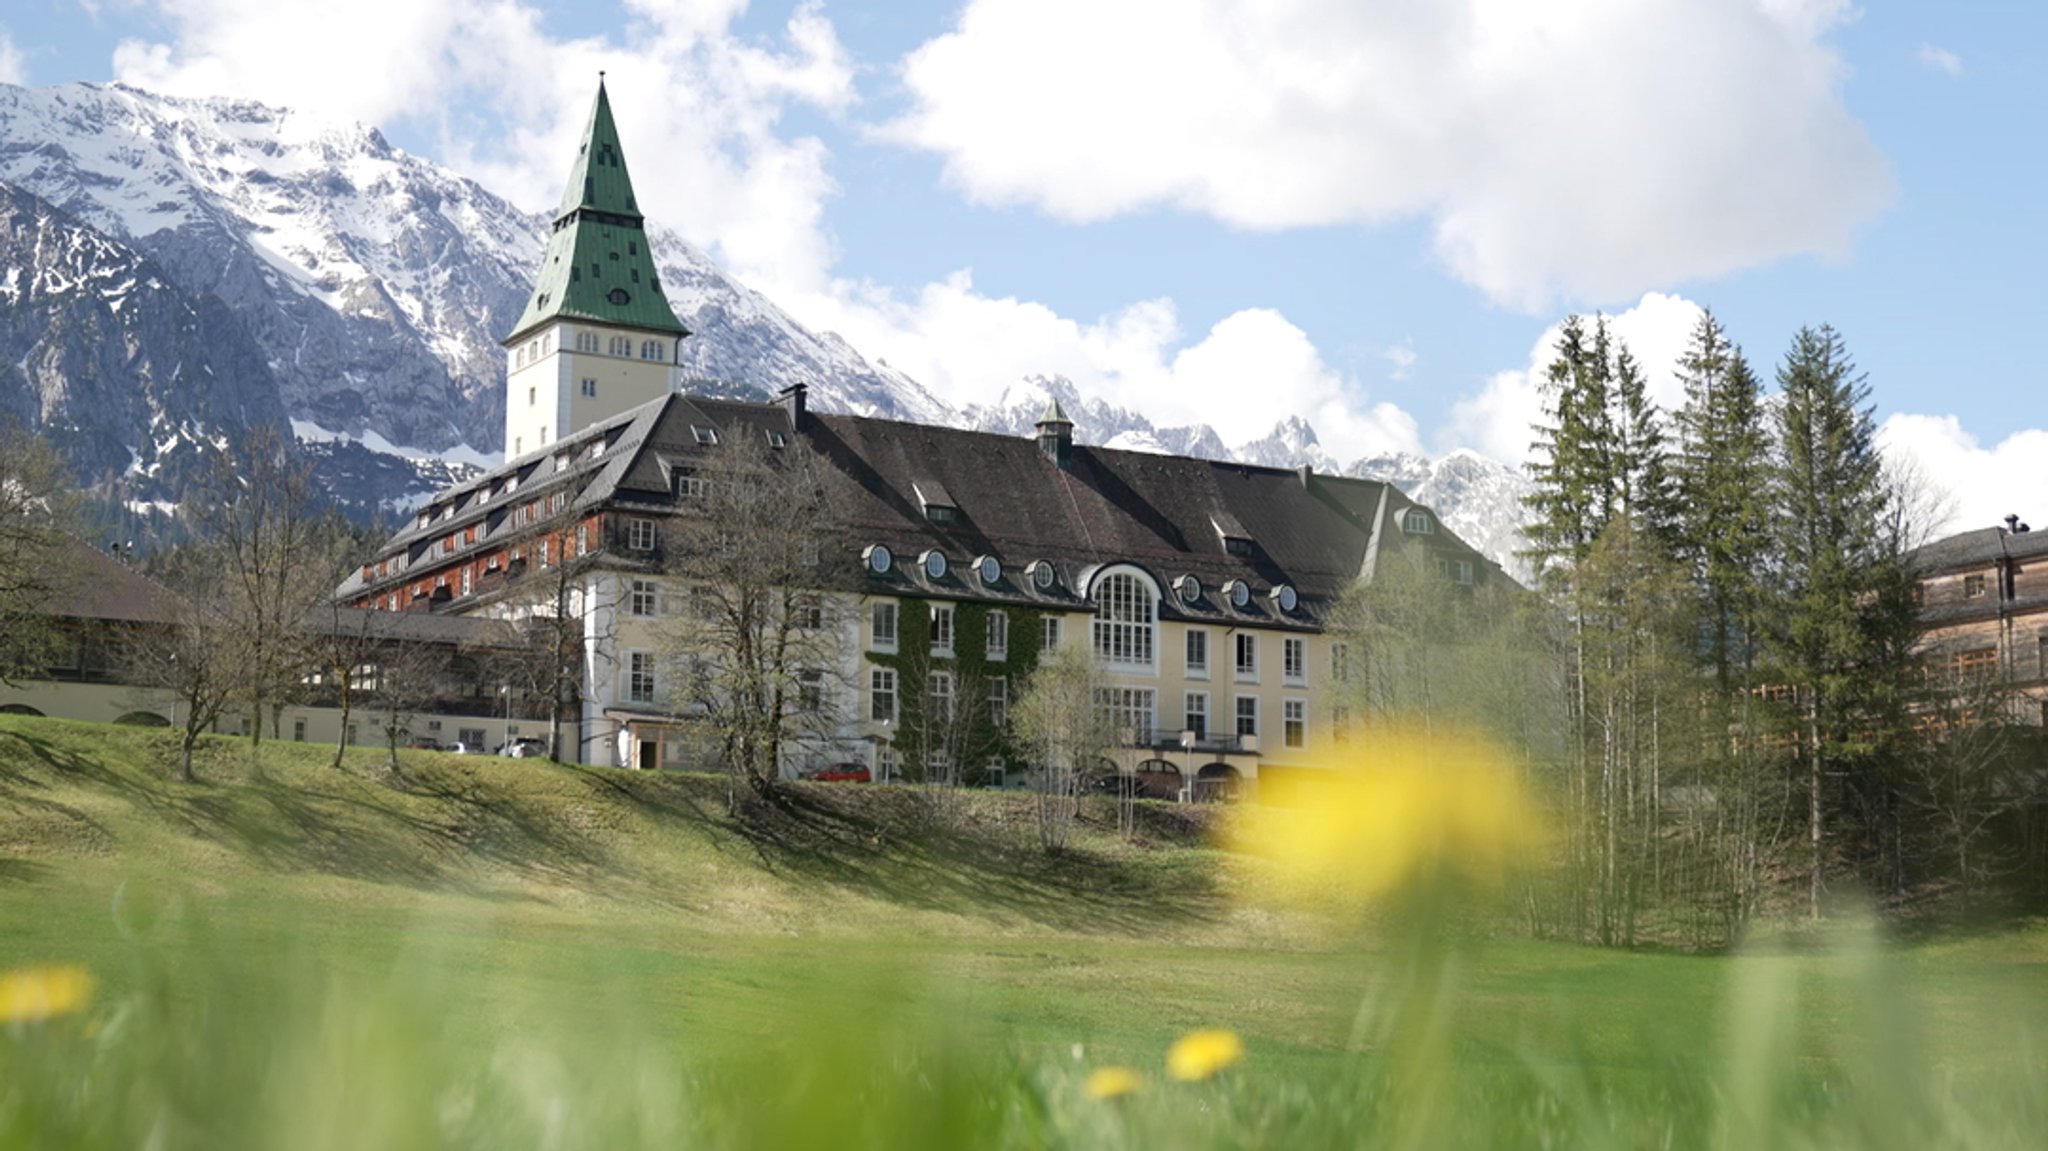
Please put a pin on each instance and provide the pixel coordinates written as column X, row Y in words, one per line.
column 597, row 265
column 1054, row 414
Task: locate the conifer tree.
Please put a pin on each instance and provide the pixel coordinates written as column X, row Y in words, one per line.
column 1639, row 458
column 1573, row 474
column 1722, row 480
column 1840, row 576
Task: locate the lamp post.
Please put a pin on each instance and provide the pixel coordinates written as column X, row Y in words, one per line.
column 1187, row 750
column 882, row 745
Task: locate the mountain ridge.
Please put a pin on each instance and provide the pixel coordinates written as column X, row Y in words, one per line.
column 373, row 287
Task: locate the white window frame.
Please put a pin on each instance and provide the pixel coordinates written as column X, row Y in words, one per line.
column 643, row 598
column 941, row 702
column 1049, row 633
column 1294, row 722
column 880, row 638
column 811, row 697
column 640, row 534
column 1196, row 652
column 1294, row 659
column 942, row 629
column 640, row 684
column 1245, row 657
column 998, row 635
column 1126, row 624
column 1195, row 713
column 809, row 612
column 1245, row 720
column 1132, row 709
column 998, row 700
column 881, row 686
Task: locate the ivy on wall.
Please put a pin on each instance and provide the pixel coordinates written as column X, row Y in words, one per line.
column 972, row 669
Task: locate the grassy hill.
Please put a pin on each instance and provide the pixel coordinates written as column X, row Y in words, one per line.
column 621, row 842
column 504, row 953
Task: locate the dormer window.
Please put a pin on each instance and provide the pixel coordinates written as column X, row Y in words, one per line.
column 705, row 436
column 685, row 486
column 777, row 440
column 1416, row 522
column 939, row 507
column 1236, row 539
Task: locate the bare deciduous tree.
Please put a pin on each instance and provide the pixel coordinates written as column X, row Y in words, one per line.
column 1064, row 729
column 278, row 558
column 201, row 658
column 754, row 641
column 38, row 507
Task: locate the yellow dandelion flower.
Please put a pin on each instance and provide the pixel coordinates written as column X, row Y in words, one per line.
column 33, row 994
column 1201, row 1054
column 1112, row 1083
column 1403, row 806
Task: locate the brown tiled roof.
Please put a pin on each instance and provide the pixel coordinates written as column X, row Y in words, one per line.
column 1978, row 547
column 91, row 584
column 1165, row 514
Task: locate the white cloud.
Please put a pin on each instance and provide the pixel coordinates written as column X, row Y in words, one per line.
column 1981, row 485
column 1499, row 421
column 1585, row 148
column 1400, row 357
column 13, row 67
column 699, row 105
column 1247, row 372
column 701, row 112
column 1939, row 59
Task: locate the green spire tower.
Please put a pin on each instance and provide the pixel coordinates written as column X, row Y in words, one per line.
column 597, row 336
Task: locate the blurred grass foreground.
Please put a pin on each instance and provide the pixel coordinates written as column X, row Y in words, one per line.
column 510, row 953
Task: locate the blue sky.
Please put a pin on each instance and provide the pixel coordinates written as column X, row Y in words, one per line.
column 1367, row 215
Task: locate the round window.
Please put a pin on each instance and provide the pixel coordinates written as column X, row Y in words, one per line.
column 1041, row 575
column 934, row 564
column 1240, row 593
column 1189, row 587
column 878, row 558
column 619, row 297
column 1284, row 595
column 989, row 568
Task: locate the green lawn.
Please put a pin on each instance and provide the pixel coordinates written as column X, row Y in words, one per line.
column 505, row 953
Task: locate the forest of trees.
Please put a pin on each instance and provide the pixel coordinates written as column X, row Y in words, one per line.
column 1715, row 679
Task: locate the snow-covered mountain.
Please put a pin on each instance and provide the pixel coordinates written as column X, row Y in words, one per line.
column 1017, row 410
column 315, row 274
column 133, row 379
column 376, row 283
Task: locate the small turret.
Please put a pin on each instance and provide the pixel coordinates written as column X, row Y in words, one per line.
column 1056, row 433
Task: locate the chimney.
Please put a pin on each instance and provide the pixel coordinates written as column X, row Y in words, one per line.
column 2012, row 525
column 1056, row 434
column 1306, row 473
column 792, row 398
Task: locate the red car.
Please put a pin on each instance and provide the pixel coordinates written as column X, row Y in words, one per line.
column 840, row 773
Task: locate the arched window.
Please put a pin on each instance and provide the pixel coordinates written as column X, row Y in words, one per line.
column 622, row 345
column 1126, row 614
column 650, row 350
column 586, row 341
